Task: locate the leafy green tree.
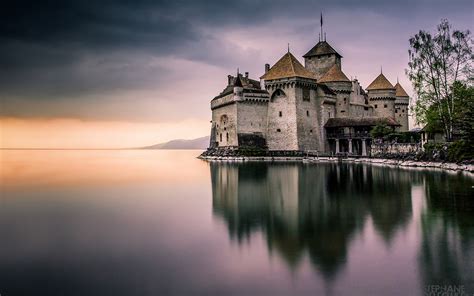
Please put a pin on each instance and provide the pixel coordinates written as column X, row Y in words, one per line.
column 437, row 62
column 464, row 120
column 380, row 130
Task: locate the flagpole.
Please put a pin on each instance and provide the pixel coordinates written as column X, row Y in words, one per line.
column 321, row 25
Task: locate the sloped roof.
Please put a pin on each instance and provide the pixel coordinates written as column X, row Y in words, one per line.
column 326, row 89
column 287, row 66
column 381, row 82
column 334, row 74
column 399, row 91
column 321, row 48
column 249, row 85
column 365, row 121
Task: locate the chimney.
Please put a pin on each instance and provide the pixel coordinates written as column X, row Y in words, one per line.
column 267, row 68
column 246, row 74
column 229, row 79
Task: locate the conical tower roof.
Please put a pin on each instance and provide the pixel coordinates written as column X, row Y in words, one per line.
column 381, row 82
column 334, row 74
column 321, row 48
column 287, row 66
column 399, row 91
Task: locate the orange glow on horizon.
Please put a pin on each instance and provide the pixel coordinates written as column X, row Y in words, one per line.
column 74, row 133
column 53, row 169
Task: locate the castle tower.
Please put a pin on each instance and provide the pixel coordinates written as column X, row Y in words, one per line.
column 382, row 97
column 293, row 110
column 401, row 107
column 342, row 86
column 321, row 58
column 239, row 114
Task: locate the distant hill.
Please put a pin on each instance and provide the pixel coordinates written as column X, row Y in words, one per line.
column 199, row 143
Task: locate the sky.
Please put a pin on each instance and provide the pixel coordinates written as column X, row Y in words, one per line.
column 131, row 73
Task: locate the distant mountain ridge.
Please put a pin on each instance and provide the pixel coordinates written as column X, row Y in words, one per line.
column 199, row 143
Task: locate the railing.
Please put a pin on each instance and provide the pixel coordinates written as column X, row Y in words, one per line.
column 361, row 135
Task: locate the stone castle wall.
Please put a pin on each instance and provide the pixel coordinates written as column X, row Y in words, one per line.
column 383, row 102
column 281, row 130
column 252, row 117
column 319, row 65
column 224, row 119
column 307, row 114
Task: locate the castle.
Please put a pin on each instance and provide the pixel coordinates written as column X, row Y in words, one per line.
column 314, row 107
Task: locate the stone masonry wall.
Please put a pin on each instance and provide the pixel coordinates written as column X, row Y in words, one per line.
column 225, row 127
column 321, row 64
column 395, row 149
column 307, row 114
column 281, row 130
column 252, row 117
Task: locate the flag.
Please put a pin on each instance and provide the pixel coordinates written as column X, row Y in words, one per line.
column 321, row 19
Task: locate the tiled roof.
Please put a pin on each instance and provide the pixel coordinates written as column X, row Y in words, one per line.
column 334, row 74
column 381, row 82
column 326, row 89
column 287, row 66
column 399, row 91
column 249, row 85
column 322, row 48
column 366, row 121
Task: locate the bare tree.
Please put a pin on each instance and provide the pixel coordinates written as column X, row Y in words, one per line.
column 436, row 63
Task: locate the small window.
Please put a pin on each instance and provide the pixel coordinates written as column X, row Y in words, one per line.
column 345, row 100
column 225, row 128
column 366, row 108
column 278, row 130
column 227, row 137
column 403, row 110
column 375, row 106
column 280, row 114
column 396, row 110
column 306, row 95
column 385, row 105
column 329, row 114
column 310, row 131
column 307, row 113
column 220, row 138
column 342, row 111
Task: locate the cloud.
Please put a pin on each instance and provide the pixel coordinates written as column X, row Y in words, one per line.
column 150, row 60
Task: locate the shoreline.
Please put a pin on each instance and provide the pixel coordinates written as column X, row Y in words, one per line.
column 469, row 168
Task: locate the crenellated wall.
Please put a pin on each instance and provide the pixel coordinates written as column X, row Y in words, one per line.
column 383, row 102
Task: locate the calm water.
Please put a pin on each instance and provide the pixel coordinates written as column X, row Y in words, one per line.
column 166, row 223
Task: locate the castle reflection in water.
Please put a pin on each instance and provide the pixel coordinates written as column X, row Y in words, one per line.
column 319, row 210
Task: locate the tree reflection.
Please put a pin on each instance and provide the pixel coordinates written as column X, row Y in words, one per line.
column 447, row 248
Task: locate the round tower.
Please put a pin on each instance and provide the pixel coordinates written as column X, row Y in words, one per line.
column 238, row 88
column 401, row 107
column 382, row 97
column 338, row 82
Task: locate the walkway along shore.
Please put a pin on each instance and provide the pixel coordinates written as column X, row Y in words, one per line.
column 376, row 161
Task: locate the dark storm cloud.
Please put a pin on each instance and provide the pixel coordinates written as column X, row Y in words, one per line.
column 65, row 49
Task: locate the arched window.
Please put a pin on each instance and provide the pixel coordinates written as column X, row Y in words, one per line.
column 224, row 119
column 278, row 94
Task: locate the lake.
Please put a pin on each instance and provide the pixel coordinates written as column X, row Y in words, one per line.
column 157, row 222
